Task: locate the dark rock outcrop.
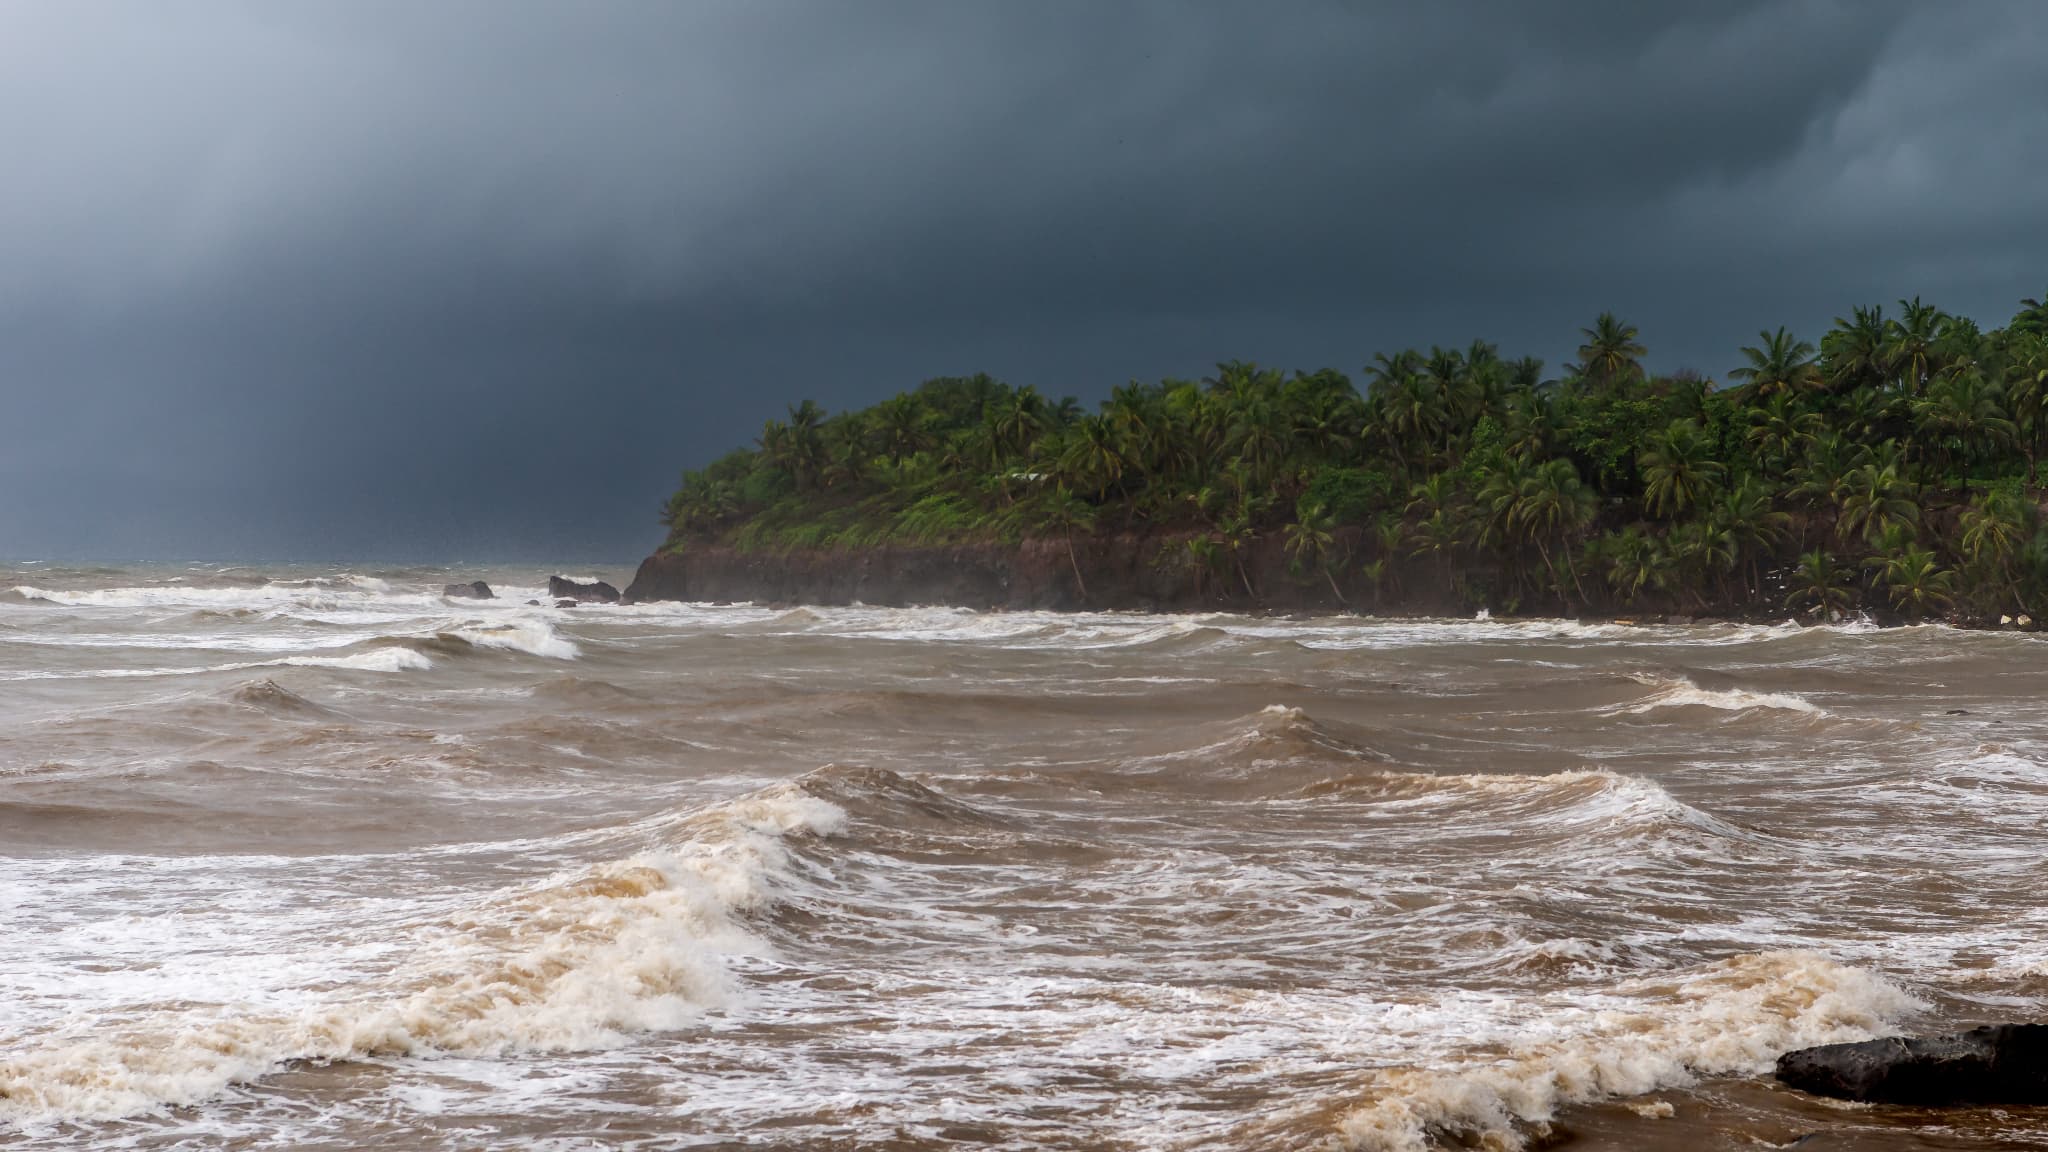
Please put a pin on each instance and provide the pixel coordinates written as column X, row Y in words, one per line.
column 474, row 590
column 600, row 592
column 1996, row 1064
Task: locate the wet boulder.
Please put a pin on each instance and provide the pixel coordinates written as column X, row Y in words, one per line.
column 474, row 590
column 1996, row 1064
column 600, row 592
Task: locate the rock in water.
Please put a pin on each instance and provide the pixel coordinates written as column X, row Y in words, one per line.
column 1996, row 1064
column 474, row 590
column 563, row 589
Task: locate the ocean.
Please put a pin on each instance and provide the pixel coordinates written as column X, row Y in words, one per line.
column 320, row 859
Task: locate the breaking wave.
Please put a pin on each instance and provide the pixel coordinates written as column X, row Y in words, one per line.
column 579, row 962
column 1732, row 1018
column 322, row 593
column 1679, row 692
column 391, row 658
column 533, row 637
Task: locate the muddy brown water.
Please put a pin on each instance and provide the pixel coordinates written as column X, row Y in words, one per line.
column 317, row 859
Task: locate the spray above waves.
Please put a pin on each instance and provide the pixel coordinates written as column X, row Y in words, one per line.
column 579, row 962
column 1732, row 1018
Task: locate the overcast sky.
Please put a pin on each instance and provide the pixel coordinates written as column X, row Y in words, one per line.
column 476, row 281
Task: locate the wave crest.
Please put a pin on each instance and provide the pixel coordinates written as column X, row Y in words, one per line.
column 1734, row 1017
column 577, row 962
column 533, row 637
column 1680, row 692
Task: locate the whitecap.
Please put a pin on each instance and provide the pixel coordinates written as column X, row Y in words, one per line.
column 582, row 960
column 1679, row 692
column 1731, row 1018
column 533, row 637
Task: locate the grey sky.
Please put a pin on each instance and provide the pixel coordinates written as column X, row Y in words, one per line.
column 476, row 280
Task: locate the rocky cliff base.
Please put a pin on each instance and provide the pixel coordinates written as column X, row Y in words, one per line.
column 1127, row 572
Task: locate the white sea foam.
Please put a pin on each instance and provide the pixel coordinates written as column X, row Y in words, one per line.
column 396, row 658
column 578, row 962
column 392, row 659
column 259, row 597
column 531, row 636
column 1679, row 692
column 1731, row 1018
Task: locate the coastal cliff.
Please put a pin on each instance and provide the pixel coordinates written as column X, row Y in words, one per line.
column 1899, row 471
column 1120, row 572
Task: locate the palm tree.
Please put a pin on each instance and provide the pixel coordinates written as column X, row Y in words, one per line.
column 1854, row 352
column 774, row 444
column 1870, row 414
column 1874, row 499
column 1525, row 424
column 1960, row 415
column 1634, row 562
column 1440, row 534
column 1818, row 479
column 1909, row 343
column 1915, row 582
column 2027, row 389
column 1746, row 519
column 1434, row 493
column 903, row 426
column 1820, row 584
column 1328, row 421
column 1409, row 410
column 1310, row 540
column 1783, row 366
column 1387, row 535
column 1197, row 555
column 1552, row 503
column 804, row 443
column 1780, row 431
column 1093, row 455
column 1235, row 531
column 1698, row 552
column 1018, row 419
column 1454, row 393
column 1679, row 469
column 1065, row 513
column 1257, row 429
column 2032, row 318
column 1996, row 530
column 1611, row 354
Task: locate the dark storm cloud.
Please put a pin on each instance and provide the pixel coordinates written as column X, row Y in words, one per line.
column 477, row 278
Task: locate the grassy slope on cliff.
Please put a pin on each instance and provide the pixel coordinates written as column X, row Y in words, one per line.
column 1892, row 468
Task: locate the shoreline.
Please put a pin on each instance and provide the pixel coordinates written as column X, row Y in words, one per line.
column 1042, row 575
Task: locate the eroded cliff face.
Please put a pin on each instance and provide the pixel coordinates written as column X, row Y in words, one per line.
column 1124, row 572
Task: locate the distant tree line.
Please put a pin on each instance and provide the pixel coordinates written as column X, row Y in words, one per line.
column 1893, row 468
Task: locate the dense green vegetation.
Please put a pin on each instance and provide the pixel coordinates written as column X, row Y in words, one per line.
column 1894, row 468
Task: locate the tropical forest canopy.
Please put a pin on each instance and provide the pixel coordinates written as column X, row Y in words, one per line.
column 1894, row 467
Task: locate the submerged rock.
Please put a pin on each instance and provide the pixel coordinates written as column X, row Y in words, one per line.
column 474, row 590
column 563, row 589
column 1996, row 1064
